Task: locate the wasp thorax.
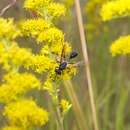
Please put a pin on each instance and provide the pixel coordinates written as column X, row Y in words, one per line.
column 63, row 65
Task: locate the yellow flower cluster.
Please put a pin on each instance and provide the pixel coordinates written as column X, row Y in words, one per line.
column 65, row 106
column 57, row 50
column 115, row 9
column 25, row 113
column 41, row 63
column 94, row 26
column 7, row 27
column 12, row 128
column 46, row 8
column 14, row 55
column 48, row 85
column 53, row 9
column 69, row 72
column 52, row 35
column 22, row 113
column 16, row 85
column 121, row 46
column 32, row 27
column 17, row 56
column 36, row 4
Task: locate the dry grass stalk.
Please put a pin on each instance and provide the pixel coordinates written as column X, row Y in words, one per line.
column 86, row 60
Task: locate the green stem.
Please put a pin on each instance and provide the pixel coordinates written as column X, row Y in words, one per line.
column 56, row 102
column 60, row 119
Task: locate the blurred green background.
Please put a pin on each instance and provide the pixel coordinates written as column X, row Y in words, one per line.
column 110, row 75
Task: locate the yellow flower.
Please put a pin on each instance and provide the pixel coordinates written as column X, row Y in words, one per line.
column 16, row 85
column 115, row 9
column 33, row 27
column 51, row 35
column 94, row 25
column 38, row 6
column 65, row 106
column 57, row 48
column 7, row 29
column 3, row 56
column 56, row 9
column 12, row 128
column 121, row 46
column 21, row 113
column 14, row 56
column 45, row 50
column 41, row 63
column 66, row 74
column 69, row 72
column 25, row 113
column 25, row 80
column 19, row 56
column 48, row 85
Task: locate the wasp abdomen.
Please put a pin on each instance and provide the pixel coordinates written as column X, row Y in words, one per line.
column 73, row 54
column 58, row 71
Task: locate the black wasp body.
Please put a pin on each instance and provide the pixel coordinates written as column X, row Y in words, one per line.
column 63, row 64
column 61, row 67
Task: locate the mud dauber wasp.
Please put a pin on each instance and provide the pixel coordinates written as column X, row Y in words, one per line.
column 63, row 63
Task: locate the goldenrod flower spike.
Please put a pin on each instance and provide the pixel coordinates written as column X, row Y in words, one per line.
column 45, row 8
column 65, row 106
column 25, row 113
column 22, row 112
column 121, row 46
column 115, row 9
column 12, row 128
column 32, row 27
column 16, row 85
column 8, row 29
